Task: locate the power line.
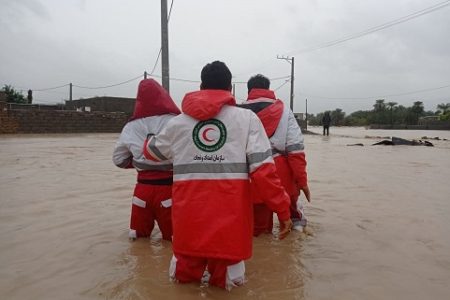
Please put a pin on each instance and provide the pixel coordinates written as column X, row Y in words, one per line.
column 284, row 83
column 50, row 88
column 198, row 81
column 376, row 28
column 176, row 79
column 278, row 78
column 271, row 79
column 381, row 96
column 127, row 81
column 39, row 90
column 106, row 86
column 160, row 49
column 369, row 30
column 156, row 62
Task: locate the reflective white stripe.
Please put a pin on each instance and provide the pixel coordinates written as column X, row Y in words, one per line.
column 278, row 139
column 253, row 167
column 297, row 151
column 258, row 157
column 210, row 168
column 124, row 164
column 150, row 165
column 166, row 203
column 215, row 176
column 294, row 147
column 132, row 234
column 138, row 202
column 235, row 275
column 154, row 151
column 173, row 268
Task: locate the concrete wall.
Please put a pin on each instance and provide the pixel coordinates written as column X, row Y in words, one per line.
column 110, row 104
column 35, row 106
column 51, row 121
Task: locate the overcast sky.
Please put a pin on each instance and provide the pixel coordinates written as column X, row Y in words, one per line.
column 49, row 43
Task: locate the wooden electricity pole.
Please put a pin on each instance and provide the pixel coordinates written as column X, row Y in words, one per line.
column 291, row 61
column 165, row 46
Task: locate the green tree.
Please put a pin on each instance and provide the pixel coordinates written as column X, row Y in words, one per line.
column 391, row 108
column 13, row 96
column 418, row 110
column 357, row 118
column 379, row 105
column 337, row 117
column 443, row 111
column 443, row 108
column 315, row 120
column 379, row 115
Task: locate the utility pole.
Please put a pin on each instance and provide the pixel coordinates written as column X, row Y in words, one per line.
column 306, row 115
column 291, row 61
column 234, row 89
column 165, row 47
column 70, row 91
column 145, row 74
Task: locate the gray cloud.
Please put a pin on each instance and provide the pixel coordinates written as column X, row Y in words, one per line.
column 104, row 42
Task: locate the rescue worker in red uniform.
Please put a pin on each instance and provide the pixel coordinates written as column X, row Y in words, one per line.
column 153, row 192
column 288, row 152
column 217, row 149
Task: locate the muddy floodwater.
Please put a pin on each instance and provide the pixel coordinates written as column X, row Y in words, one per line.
column 379, row 224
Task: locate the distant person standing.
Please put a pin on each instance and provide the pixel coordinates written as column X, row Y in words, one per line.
column 326, row 122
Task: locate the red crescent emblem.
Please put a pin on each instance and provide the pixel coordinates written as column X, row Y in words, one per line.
column 204, row 135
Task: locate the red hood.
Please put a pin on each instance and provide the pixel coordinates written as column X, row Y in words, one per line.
column 271, row 115
column 205, row 104
column 260, row 93
column 153, row 100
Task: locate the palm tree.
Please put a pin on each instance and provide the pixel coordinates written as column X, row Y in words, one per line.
column 391, row 106
column 418, row 110
column 379, row 105
column 443, row 108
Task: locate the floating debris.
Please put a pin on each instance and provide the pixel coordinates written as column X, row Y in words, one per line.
column 400, row 141
column 433, row 138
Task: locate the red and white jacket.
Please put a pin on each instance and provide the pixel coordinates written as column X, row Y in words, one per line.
column 153, row 109
column 216, row 148
column 285, row 136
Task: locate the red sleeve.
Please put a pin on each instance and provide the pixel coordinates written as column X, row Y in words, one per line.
column 266, row 181
column 130, row 164
column 297, row 162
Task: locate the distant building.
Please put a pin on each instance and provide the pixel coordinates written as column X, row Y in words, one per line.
column 108, row 104
column 429, row 120
column 299, row 116
column 301, row 120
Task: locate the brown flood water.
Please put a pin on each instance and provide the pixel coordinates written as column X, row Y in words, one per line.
column 379, row 225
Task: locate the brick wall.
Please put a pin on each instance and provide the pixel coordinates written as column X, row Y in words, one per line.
column 47, row 121
column 2, row 96
column 8, row 124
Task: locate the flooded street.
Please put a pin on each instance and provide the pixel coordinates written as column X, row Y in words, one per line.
column 379, row 224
